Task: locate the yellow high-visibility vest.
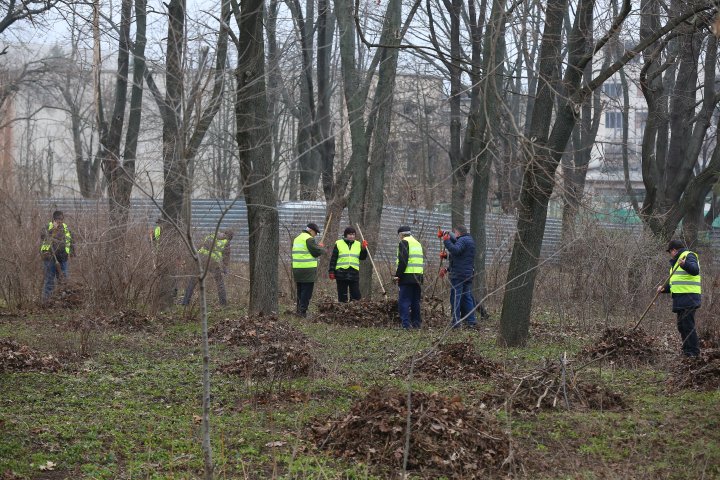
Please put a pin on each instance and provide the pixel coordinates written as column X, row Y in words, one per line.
column 47, row 244
column 301, row 257
column 348, row 257
column 681, row 281
column 217, row 251
column 416, row 259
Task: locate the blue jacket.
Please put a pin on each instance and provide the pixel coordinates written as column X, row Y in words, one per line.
column 685, row 301
column 462, row 257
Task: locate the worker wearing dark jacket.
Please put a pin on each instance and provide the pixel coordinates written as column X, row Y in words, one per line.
column 685, row 287
column 409, row 277
column 345, row 265
column 461, row 270
column 304, row 266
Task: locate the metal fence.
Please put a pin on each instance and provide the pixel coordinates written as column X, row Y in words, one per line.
column 295, row 215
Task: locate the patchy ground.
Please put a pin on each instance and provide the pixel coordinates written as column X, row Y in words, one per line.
column 293, row 398
column 447, row 439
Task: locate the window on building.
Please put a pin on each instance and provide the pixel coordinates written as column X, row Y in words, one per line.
column 613, row 120
column 613, row 89
column 641, row 118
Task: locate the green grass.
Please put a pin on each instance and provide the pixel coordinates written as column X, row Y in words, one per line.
column 130, row 411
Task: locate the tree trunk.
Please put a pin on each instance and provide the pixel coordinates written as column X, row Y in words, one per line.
column 253, row 137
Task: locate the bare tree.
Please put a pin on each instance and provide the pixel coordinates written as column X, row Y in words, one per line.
column 253, row 139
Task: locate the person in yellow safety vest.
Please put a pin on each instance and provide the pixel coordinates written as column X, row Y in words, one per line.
column 344, row 265
column 686, row 290
column 55, row 249
column 155, row 234
column 409, row 277
column 304, row 266
column 218, row 249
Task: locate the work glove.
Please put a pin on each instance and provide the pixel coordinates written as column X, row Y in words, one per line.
column 440, row 233
column 443, row 254
column 321, row 245
column 331, row 275
column 364, row 244
column 442, row 272
column 446, row 236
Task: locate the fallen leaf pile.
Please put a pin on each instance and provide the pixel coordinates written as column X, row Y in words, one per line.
column 67, row 295
column 276, row 361
column 697, row 373
column 376, row 313
column 279, row 350
column 255, row 331
column 556, row 386
column 455, row 361
column 447, row 439
column 21, row 358
column 131, row 320
column 627, row 347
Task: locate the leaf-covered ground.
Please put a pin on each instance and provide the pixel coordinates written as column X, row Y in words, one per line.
column 117, row 395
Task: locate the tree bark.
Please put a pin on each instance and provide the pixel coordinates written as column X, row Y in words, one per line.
column 253, row 139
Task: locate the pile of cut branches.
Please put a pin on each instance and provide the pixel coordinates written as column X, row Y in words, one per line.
column 697, row 373
column 626, row 347
column 556, row 386
column 456, row 361
column 447, row 439
column 21, row 358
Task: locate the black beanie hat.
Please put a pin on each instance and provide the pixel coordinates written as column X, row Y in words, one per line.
column 314, row 227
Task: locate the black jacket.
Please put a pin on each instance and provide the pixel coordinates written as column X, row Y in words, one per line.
column 685, row 301
column 345, row 274
column 406, row 278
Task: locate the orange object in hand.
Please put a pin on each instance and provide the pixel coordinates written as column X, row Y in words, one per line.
column 443, row 254
column 442, row 272
column 446, row 236
column 364, row 244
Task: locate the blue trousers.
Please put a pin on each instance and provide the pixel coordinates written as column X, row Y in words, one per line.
column 462, row 302
column 51, row 272
column 409, row 305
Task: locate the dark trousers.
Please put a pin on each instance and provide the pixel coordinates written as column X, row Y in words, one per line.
column 409, row 305
column 462, row 302
column 219, row 281
column 688, row 334
column 304, row 294
column 344, row 285
column 52, row 272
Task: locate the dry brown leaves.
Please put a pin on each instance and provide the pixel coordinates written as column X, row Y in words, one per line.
column 276, row 361
column 131, row 320
column 67, row 295
column 625, row 347
column 255, row 331
column 21, row 358
column 447, row 439
column 278, row 349
column 454, row 361
column 555, row 386
column 376, row 313
column 697, row 373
